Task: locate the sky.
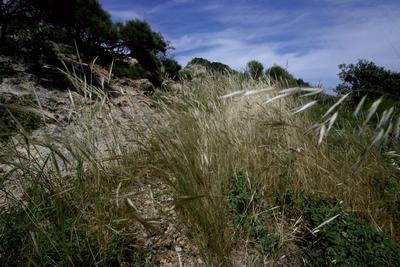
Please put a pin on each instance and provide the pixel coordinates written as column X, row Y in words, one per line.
column 308, row 37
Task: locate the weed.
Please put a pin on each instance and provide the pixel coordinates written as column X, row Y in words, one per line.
column 245, row 200
column 347, row 240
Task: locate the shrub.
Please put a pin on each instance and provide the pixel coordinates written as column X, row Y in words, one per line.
column 15, row 112
column 255, row 69
column 281, row 76
column 215, row 67
column 347, row 240
column 121, row 69
column 171, row 68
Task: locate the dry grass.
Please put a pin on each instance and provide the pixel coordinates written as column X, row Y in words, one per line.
column 202, row 139
column 210, row 138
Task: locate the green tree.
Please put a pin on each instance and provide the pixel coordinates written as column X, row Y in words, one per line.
column 12, row 12
column 37, row 21
column 145, row 45
column 366, row 78
column 278, row 73
column 85, row 21
column 302, row 83
column 255, row 69
column 34, row 22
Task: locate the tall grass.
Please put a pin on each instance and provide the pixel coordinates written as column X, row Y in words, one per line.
column 59, row 192
column 239, row 164
column 209, row 140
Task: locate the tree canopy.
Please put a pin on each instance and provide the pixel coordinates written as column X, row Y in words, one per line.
column 279, row 73
column 366, row 78
column 88, row 24
column 281, row 76
column 144, row 44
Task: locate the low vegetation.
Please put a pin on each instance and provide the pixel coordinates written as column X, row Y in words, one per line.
column 248, row 178
column 16, row 114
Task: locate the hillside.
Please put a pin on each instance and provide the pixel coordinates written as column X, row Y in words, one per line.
column 193, row 175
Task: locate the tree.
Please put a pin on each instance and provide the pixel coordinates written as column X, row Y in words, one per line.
column 302, row 83
column 279, row 74
column 255, row 69
column 366, row 78
column 11, row 12
column 84, row 21
column 32, row 23
column 145, row 45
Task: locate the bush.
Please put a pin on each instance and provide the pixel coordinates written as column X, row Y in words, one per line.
column 171, row 68
column 13, row 113
column 121, row 69
column 281, row 76
column 347, row 240
column 215, row 67
column 255, row 69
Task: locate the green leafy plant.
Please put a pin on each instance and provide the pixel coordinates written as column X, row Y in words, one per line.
column 347, row 240
column 245, row 201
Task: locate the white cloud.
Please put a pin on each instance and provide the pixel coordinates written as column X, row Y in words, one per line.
column 124, row 15
column 166, row 5
column 370, row 33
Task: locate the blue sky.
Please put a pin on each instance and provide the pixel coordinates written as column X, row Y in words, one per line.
column 309, row 37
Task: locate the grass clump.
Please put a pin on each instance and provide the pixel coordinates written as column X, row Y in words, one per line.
column 42, row 236
column 58, row 197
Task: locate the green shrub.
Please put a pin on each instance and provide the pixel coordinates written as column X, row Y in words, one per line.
column 215, row 67
column 121, row 69
column 255, row 69
column 12, row 114
column 281, row 76
column 347, row 240
column 171, row 68
column 245, row 200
